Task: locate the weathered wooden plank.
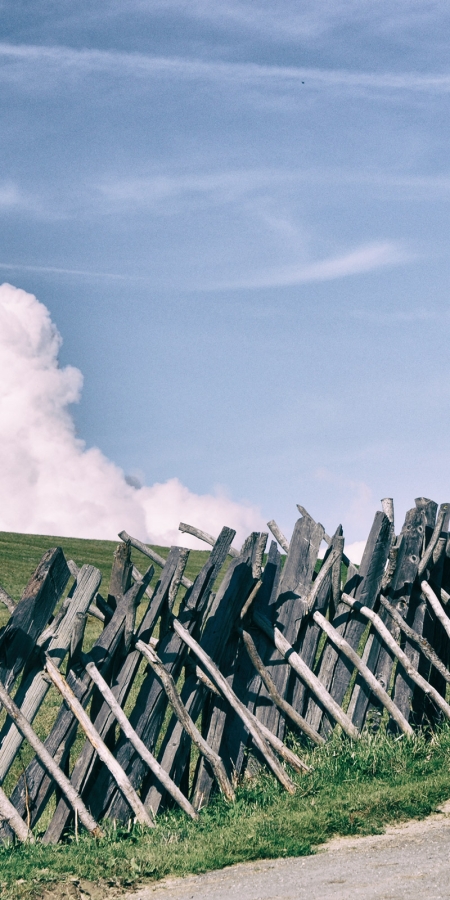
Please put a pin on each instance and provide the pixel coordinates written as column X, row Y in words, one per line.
column 35, row 786
column 399, row 654
column 86, row 777
column 120, row 579
column 230, row 696
column 204, row 536
column 310, row 632
column 380, row 659
column 185, row 720
column 49, row 763
column 30, row 616
column 278, row 535
column 335, row 670
column 147, row 551
column 33, row 690
column 148, row 713
column 138, row 745
column 219, row 642
column 416, row 638
column 365, row 673
column 306, row 674
column 287, row 609
column 99, row 746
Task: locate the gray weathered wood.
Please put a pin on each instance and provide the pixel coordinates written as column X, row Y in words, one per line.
column 417, row 639
column 33, row 691
column 49, row 763
column 365, row 673
column 300, row 667
column 30, row 616
column 278, row 535
column 380, row 659
column 204, row 536
column 99, row 746
column 10, row 815
column 147, row 551
column 185, row 720
column 335, row 669
column 7, row 600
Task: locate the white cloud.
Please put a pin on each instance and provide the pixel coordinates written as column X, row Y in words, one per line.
column 355, row 551
column 49, row 482
column 362, row 259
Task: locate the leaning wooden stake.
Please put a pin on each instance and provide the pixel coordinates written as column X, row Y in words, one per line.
column 236, row 704
column 204, row 536
column 436, row 606
column 147, row 551
column 368, row 676
column 391, row 643
column 274, row 694
column 93, row 736
column 295, row 661
column 135, row 740
column 278, row 535
column 48, row 762
column 185, row 719
column 9, row 813
column 416, row 638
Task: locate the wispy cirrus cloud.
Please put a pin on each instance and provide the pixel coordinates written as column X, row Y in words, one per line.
column 363, row 259
column 139, row 65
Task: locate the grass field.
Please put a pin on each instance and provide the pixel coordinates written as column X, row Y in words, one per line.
column 353, row 788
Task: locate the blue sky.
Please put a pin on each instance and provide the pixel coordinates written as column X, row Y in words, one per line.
column 237, row 216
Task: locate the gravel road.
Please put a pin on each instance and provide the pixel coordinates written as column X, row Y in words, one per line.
column 407, row 862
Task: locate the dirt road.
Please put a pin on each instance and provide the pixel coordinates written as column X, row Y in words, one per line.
column 408, row 862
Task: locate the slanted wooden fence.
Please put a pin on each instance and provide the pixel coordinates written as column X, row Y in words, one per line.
column 282, row 645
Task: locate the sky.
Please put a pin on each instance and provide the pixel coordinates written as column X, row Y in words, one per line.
column 235, row 216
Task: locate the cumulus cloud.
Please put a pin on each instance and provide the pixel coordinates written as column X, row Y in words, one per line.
column 50, row 483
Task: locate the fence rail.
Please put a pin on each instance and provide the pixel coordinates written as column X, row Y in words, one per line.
column 285, row 644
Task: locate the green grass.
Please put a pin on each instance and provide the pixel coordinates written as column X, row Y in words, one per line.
column 352, row 789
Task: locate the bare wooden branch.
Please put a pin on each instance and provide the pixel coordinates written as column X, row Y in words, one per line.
column 368, row 676
column 147, row 551
column 239, row 707
column 295, row 661
column 9, row 813
column 73, row 568
column 204, row 536
column 278, row 535
column 416, row 638
column 7, row 600
column 135, row 740
column 138, row 577
column 436, row 606
column 93, row 736
column 95, row 613
column 326, row 537
column 183, row 716
column 391, row 643
column 49, row 763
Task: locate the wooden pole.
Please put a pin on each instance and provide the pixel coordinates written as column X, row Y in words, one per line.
column 135, row 740
column 274, row 694
column 442, row 515
column 94, row 738
column 184, row 718
column 295, row 661
column 236, row 704
column 49, row 763
column 7, row 601
column 147, row 551
column 278, row 535
column 391, row 643
column 204, row 536
column 416, row 638
column 9, row 813
column 428, row 592
column 368, row 676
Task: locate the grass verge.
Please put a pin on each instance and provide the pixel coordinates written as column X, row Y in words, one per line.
column 354, row 788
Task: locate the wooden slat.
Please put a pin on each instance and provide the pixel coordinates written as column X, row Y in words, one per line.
column 204, row 536
column 34, row 690
column 30, row 616
column 147, row 551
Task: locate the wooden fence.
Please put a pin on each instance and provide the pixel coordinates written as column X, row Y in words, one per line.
column 278, row 647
